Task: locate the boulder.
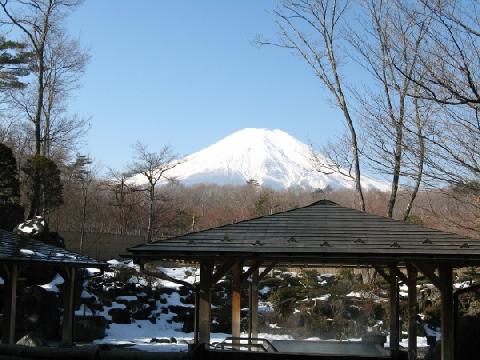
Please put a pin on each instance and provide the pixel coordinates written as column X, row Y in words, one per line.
column 160, row 341
column 142, row 314
column 32, row 340
column 37, row 228
column 120, row 316
column 374, row 338
column 89, row 328
column 39, row 310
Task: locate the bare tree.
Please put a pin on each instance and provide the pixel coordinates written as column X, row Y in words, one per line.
column 117, row 184
column 83, row 175
column 387, row 40
column 447, row 75
column 417, row 149
column 310, row 28
column 65, row 64
column 152, row 168
column 39, row 21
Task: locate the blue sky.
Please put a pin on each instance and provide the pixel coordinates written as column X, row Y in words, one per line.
column 188, row 73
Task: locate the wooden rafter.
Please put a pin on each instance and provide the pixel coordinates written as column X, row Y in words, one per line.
column 429, row 271
column 381, row 271
column 251, row 270
column 161, row 275
column 222, row 270
column 401, row 275
column 266, row 271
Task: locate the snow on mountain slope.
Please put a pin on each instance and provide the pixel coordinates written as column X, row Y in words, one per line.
column 272, row 157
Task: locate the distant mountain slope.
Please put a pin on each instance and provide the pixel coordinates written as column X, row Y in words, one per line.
column 271, row 157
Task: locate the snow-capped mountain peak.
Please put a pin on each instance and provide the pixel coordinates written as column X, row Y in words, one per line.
column 272, row 157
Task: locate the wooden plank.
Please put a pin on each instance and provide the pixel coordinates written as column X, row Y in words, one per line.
column 447, row 313
column 236, row 305
column 204, row 305
column 394, row 314
column 68, row 306
column 10, row 304
column 412, row 312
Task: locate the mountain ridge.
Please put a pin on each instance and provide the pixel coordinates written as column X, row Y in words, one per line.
column 272, row 157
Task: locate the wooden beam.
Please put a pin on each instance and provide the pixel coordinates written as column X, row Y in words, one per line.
column 253, row 306
column 429, row 271
column 394, row 314
column 266, row 271
column 381, row 271
column 236, row 302
column 400, row 275
column 250, row 271
column 161, row 275
column 205, row 300
column 412, row 312
column 68, row 306
column 10, row 303
column 221, row 270
column 447, row 314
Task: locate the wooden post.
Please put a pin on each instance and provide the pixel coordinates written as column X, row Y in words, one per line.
column 412, row 312
column 10, row 304
column 196, row 319
column 446, row 291
column 236, row 292
column 68, row 307
column 253, row 306
column 205, row 300
column 394, row 314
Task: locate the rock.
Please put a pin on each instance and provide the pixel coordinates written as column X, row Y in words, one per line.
column 37, row 228
column 173, row 340
column 32, row 228
column 160, row 341
column 119, row 316
column 89, row 328
column 374, row 338
column 32, row 340
column 40, row 310
column 142, row 314
column 152, row 319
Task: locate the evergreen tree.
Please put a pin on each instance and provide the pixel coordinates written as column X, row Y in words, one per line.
column 11, row 213
column 9, row 183
column 14, row 64
column 43, row 173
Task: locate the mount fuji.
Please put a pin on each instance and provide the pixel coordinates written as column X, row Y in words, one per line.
column 271, row 157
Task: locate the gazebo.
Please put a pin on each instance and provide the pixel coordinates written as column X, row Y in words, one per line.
column 315, row 235
column 17, row 252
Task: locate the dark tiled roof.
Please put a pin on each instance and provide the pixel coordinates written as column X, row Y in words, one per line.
column 21, row 249
column 322, row 231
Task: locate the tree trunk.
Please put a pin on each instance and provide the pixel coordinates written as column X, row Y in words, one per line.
column 84, row 217
column 356, row 159
column 150, row 213
column 421, row 161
